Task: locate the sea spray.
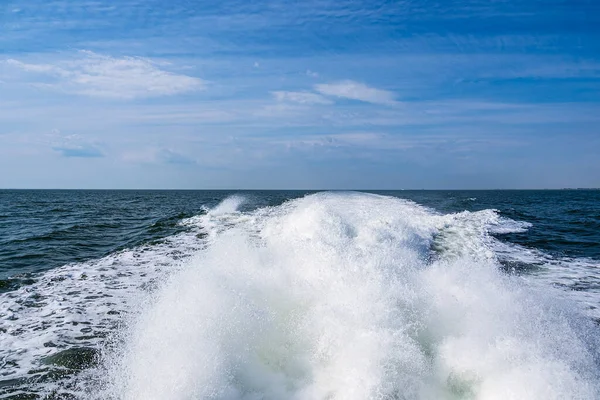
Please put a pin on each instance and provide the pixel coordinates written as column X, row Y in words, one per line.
column 352, row 296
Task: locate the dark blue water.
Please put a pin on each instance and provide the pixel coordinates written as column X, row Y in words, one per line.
column 50, row 237
column 43, row 229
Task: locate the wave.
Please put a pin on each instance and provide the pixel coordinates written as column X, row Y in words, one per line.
column 77, row 306
column 330, row 296
column 351, row 296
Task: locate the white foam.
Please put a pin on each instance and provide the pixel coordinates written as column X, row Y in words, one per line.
column 81, row 304
column 338, row 296
column 578, row 278
column 229, row 205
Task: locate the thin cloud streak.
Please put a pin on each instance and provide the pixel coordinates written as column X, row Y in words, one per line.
column 82, row 152
column 356, row 91
column 97, row 75
column 301, row 97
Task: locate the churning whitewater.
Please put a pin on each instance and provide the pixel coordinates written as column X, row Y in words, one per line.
column 351, row 296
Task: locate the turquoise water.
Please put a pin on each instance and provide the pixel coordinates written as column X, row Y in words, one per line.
column 93, row 282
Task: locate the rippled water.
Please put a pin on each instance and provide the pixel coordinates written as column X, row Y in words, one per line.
column 472, row 295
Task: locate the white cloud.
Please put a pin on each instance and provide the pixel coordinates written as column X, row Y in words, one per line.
column 97, row 75
column 356, row 91
column 156, row 155
column 359, row 138
column 356, row 140
column 301, row 97
column 40, row 68
column 67, row 145
column 73, row 145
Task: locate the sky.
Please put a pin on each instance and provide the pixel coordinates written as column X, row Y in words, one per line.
column 315, row 94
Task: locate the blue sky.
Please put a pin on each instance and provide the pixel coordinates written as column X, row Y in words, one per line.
column 312, row 94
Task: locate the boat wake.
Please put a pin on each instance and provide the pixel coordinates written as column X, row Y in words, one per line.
column 354, row 296
column 330, row 296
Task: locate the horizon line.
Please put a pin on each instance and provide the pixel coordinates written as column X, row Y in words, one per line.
column 304, row 190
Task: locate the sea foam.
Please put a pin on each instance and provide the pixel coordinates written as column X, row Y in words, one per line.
column 351, row 296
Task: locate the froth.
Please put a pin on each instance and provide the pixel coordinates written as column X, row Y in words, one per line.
column 352, row 296
column 81, row 305
column 229, row 205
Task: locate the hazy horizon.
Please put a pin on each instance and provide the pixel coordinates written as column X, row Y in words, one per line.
column 306, row 189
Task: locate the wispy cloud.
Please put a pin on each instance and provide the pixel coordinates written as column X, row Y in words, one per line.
column 360, row 141
column 40, row 143
column 337, row 140
column 172, row 157
column 83, row 152
column 72, row 145
column 356, row 91
column 92, row 74
column 301, row 97
column 41, row 68
column 156, row 155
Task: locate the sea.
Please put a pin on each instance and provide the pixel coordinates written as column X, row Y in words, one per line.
column 268, row 295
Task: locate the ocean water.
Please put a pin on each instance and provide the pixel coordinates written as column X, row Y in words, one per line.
column 300, row 295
